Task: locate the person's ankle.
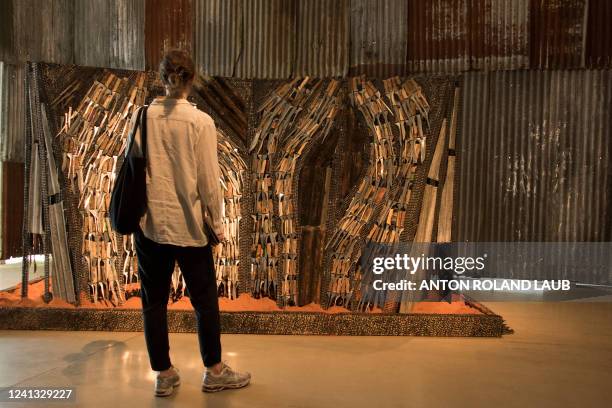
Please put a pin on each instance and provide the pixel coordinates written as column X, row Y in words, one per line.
column 217, row 368
column 167, row 373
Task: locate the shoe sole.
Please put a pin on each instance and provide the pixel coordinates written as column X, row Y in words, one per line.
column 167, row 394
column 217, row 388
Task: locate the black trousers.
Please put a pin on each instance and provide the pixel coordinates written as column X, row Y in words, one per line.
column 155, row 267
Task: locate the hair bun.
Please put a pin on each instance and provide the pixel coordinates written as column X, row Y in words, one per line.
column 176, row 68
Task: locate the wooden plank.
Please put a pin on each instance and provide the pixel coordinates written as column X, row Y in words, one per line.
column 445, row 218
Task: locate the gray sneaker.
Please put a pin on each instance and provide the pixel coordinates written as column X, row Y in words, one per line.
column 164, row 386
column 228, row 378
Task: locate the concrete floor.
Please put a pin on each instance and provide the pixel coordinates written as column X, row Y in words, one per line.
column 560, row 356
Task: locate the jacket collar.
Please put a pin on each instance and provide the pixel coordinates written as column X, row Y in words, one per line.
column 170, row 101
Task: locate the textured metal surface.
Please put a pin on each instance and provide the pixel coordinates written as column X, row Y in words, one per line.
column 557, row 32
column 534, row 157
column 379, row 33
column 247, row 39
column 458, row 35
column 6, row 31
column 41, row 30
column 322, row 48
column 168, row 24
column 283, row 38
column 280, row 323
column 109, row 33
column 217, row 36
column 12, row 112
column 599, row 34
column 11, row 208
column 268, row 47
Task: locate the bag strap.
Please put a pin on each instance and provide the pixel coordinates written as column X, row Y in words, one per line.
column 143, row 131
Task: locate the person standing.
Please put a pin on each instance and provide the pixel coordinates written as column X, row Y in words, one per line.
column 183, row 192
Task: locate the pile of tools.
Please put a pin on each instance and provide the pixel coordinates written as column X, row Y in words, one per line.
column 425, row 227
column 227, row 254
column 93, row 137
column 44, row 204
column 313, row 124
column 293, row 117
column 277, row 114
column 377, row 212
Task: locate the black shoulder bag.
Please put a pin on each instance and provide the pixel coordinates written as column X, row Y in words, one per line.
column 129, row 198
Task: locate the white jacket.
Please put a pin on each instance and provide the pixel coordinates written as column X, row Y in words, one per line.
column 183, row 185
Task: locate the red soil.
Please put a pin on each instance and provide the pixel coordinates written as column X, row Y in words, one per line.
column 245, row 302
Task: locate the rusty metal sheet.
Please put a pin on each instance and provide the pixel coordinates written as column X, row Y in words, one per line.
column 599, row 34
column 168, row 24
column 11, row 208
column 557, row 32
column 127, row 22
column 7, row 50
column 379, row 32
column 499, row 34
column 268, row 47
column 109, row 33
column 245, row 39
column 459, row 35
column 92, row 39
column 438, row 36
column 33, row 30
column 12, row 112
column 322, row 38
column 535, row 151
column 218, row 36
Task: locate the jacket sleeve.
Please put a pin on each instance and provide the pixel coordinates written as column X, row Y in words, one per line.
column 209, row 186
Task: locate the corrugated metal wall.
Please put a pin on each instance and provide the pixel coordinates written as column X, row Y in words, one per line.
column 282, row 38
column 379, row 37
column 247, row 39
column 557, row 33
column 499, row 35
column 218, row 36
column 268, row 41
column 12, row 112
column 599, row 34
column 109, row 33
column 535, row 157
column 322, row 38
column 168, row 24
column 11, row 208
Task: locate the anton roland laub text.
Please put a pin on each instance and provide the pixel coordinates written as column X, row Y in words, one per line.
column 458, row 265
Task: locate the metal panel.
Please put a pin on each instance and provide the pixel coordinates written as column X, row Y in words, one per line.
column 599, row 34
column 438, row 35
column 557, row 33
column 246, row 39
column 12, row 112
column 322, row 38
column 499, row 34
column 268, row 49
column 534, row 156
column 218, row 36
column 168, row 24
column 109, row 33
column 11, row 209
column 7, row 32
column 34, row 30
column 127, row 22
column 379, row 32
column 57, row 31
column 458, row 35
column 91, row 37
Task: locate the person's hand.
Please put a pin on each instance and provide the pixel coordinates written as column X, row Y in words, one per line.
column 221, row 236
